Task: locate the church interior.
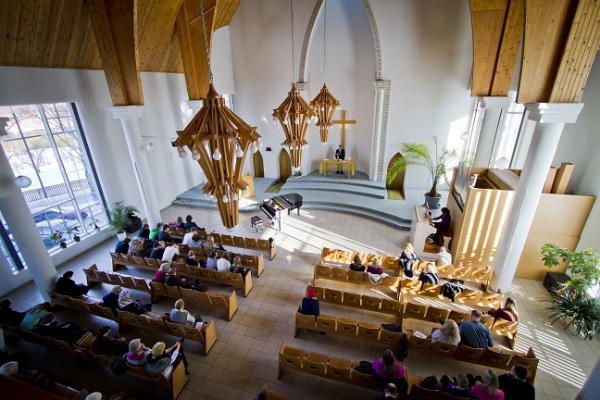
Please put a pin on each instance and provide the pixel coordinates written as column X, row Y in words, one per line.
column 299, row 199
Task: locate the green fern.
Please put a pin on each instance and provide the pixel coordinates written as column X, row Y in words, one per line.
column 119, row 216
column 576, row 310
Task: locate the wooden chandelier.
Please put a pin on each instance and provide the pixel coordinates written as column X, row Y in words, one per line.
column 294, row 114
column 219, row 140
column 324, row 104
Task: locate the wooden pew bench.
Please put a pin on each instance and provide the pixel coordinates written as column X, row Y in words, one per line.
column 337, row 257
column 358, row 301
column 206, row 335
column 477, row 275
column 234, row 279
column 345, row 275
column 475, row 298
column 243, row 242
column 371, row 332
column 255, row 262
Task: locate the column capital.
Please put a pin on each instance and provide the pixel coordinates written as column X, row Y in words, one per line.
column 126, row 112
column 495, row 102
column 382, row 84
column 194, row 105
column 565, row 113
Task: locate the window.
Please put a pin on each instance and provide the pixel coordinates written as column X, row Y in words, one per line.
column 46, row 144
column 507, row 136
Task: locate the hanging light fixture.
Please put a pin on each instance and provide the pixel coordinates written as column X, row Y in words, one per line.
column 294, row 113
column 324, row 103
column 218, row 139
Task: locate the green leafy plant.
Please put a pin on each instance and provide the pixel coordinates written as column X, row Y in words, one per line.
column 583, row 266
column 119, row 216
column 56, row 236
column 418, row 154
column 577, row 311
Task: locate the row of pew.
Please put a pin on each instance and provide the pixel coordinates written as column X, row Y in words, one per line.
column 263, row 245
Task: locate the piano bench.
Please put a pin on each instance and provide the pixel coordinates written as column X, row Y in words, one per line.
column 255, row 223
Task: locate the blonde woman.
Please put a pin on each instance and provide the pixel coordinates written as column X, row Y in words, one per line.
column 137, row 353
column 159, row 358
column 508, row 312
column 448, row 333
column 429, row 275
column 407, row 260
column 488, row 389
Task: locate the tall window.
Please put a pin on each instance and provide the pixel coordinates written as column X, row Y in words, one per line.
column 507, row 136
column 45, row 143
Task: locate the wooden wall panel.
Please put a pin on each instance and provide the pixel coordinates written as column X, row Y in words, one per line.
column 578, row 56
column 156, row 31
column 225, row 11
column 487, row 22
column 547, row 23
column 512, row 37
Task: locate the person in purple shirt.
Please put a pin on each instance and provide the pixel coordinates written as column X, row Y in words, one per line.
column 388, row 370
column 508, row 312
column 442, row 225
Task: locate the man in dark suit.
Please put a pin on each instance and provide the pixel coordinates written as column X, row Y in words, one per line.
column 340, row 154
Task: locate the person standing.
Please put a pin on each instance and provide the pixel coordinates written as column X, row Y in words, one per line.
column 340, row 155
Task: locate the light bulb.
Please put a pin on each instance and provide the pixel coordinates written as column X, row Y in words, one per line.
column 254, row 148
column 216, row 155
column 260, row 144
column 181, row 152
column 234, row 197
column 195, row 155
column 211, row 197
column 296, row 120
column 225, row 199
column 322, row 108
column 285, row 121
column 239, row 153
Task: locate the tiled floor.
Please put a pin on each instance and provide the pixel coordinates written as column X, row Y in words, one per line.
column 245, row 355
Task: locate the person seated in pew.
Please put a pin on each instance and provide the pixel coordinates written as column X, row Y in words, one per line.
column 508, row 312
column 457, row 387
column 443, row 257
column 192, row 239
column 407, row 260
column 160, row 358
column 34, row 315
column 9, row 316
column 144, row 232
column 118, row 299
column 107, row 344
column 136, row 248
column 447, row 333
column 375, row 268
column 122, row 247
column 170, row 252
column 68, row 331
column 161, row 273
column 310, row 304
column 190, row 260
column 158, row 250
column 515, row 385
column 236, row 266
column 357, row 265
column 224, row 263
column 211, row 245
column 137, row 354
column 390, row 392
column 164, row 234
column 180, row 315
column 474, row 334
column 388, row 370
column 179, row 224
column 488, row 388
column 155, row 231
column 189, row 223
column 211, row 261
column 67, row 286
column 429, row 275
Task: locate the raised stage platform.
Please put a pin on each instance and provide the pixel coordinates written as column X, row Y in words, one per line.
column 357, row 195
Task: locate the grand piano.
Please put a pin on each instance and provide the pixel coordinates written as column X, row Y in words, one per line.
column 274, row 207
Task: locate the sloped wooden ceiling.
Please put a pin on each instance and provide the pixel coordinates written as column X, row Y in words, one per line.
column 58, row 33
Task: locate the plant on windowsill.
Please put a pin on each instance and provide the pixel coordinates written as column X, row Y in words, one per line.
column 570, row 301
column 94, row 224
column 418, row 154
column 57, row 237
column 73, row 231
column 120, row 217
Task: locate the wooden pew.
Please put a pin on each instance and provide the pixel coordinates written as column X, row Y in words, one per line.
column 174, row 378
column 338, row 257
column 345, row 275
column 228, row 302
column 474, row 298
column 206, row 335
column 234, row 279
column 373, row 333
column 242, row 242
column 359, row 301
column 477, row 275
column 255, row 262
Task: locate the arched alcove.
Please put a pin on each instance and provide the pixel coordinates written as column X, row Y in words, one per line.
column 395, row 187
column 285, row 165
column 257, row 162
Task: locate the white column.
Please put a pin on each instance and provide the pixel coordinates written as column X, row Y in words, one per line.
column 551, row 119
column 129, row 117
column 493, row 109
column 378, row 133
column 24, row 231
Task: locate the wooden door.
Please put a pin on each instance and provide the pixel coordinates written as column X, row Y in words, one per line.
column 257, row 161
column 285, row 165
column 395, row 187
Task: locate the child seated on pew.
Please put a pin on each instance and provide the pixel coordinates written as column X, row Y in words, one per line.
column 508, row 312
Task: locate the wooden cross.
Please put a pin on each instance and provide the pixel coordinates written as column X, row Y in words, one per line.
column 343, row 122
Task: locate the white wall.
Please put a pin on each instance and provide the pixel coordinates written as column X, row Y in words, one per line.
column 580, row 144
column 350, row 76
column 427, row 54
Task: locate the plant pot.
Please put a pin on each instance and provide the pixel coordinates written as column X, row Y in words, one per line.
column 433, row 202
column 76, row 238
column 121, row 235
column 554, row 280
column 63, row 245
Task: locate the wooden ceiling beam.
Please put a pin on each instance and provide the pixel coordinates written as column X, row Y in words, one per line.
column 114, row 23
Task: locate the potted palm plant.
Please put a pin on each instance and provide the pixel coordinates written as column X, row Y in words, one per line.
column 418, row 154
column 119, row 218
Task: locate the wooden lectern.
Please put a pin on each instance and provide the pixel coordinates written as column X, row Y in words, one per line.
column 420, row 229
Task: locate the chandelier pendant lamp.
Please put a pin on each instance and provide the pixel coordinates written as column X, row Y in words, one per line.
column 219, row 140
column 294, row 114
column 324, row 103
